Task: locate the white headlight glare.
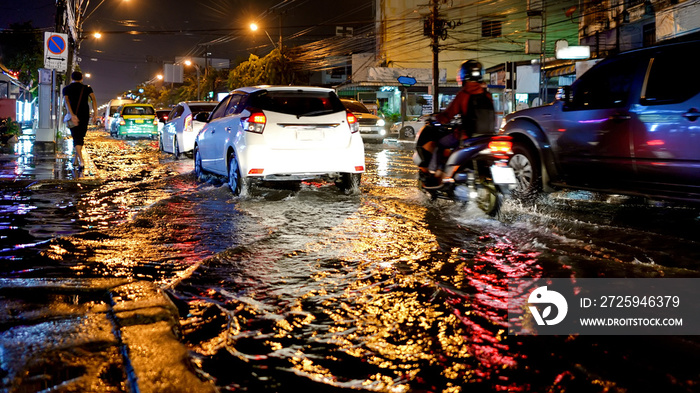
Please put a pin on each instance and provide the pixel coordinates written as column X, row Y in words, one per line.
column 380, row 122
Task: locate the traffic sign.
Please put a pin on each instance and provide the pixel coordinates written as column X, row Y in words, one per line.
column 406, row 80
column 56, row 51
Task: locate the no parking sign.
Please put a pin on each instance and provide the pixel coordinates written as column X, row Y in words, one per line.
column 56, row 51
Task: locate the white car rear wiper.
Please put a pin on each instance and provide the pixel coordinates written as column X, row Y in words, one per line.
column 315, row 113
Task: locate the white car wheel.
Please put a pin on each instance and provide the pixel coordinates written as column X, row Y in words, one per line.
column 349, row 183
column 198, row 171
column 236, row 182
column 176, row 148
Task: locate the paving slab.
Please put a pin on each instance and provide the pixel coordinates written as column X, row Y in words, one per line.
column 91, row 335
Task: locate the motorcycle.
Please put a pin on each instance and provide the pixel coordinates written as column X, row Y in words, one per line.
column 477, row 170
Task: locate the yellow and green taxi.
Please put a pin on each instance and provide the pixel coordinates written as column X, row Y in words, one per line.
column 135, row 120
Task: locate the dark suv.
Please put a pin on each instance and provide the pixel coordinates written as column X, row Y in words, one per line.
column 627, row 126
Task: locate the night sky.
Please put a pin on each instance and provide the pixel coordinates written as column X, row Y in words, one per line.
column 162, row 30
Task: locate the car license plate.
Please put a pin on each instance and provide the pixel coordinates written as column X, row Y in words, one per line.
column 309, row 135
column 503, row 174
column 139, row 121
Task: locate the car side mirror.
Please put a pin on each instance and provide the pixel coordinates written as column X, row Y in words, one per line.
column 202, row 116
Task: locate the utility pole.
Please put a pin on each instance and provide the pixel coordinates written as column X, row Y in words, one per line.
column 434, row 45
column 436, row 28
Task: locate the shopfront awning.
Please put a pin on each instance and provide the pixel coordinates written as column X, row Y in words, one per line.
column 561, row 71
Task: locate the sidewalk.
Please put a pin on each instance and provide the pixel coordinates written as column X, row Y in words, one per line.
column 78, row 334
column 24, row 161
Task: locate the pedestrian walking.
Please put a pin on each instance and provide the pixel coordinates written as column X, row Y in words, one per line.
column 76, row 96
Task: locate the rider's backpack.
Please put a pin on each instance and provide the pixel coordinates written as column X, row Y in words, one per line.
column 480, row 117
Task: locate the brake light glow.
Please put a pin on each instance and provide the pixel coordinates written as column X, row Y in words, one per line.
column 122, row 122
column 360, row 168
column 155, row 121
column 352, row 122
column 255, row 122
column 258, row 118
column 501, row 146
column 188, row 123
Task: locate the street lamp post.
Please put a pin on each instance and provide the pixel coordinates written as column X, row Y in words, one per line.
column 196, row 67
column 254, row 27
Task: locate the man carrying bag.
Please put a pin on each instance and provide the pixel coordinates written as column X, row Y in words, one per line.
column 77, row 118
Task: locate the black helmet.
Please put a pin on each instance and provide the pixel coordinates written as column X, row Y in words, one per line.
column 471, row 70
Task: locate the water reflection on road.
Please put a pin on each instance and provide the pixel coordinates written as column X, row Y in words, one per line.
column 311, row 289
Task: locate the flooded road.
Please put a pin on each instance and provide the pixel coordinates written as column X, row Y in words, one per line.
column 310, row 289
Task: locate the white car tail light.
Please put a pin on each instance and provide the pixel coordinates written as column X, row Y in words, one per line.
column 188, row 123
column 352, row 122
column 255, row 122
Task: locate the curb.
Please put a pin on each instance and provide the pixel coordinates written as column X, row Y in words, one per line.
column 92, row 335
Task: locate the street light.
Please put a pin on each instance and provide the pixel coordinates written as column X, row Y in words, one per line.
column 189, row 63
column 254, row 27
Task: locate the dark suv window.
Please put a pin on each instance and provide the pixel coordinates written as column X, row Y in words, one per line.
column 663, row 88
column 606, row 86
column 297, row 102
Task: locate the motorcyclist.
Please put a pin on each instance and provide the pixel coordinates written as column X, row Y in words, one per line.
column 432, row 141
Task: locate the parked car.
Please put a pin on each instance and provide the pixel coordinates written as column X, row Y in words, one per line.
column 111, row 109
column 281, row 133
column 409, row 128
column 627, row 126
column 184, row 122
column 162, row 115
column 372, row 127
column 138, row 120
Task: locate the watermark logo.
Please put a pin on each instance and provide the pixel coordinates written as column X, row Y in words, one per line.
column 542, row 296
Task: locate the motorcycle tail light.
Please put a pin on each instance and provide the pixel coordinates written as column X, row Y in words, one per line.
column 352, row 122
column 502, row 147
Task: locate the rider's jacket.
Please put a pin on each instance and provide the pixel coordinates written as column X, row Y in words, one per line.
column 460, row 105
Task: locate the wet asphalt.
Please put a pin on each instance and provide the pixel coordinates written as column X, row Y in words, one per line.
column 73, row 332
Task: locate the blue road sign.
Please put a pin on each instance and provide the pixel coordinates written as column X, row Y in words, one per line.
column 56, row 44
column 406, row 80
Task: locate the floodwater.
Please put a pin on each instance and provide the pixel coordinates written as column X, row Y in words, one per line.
column 310, row 289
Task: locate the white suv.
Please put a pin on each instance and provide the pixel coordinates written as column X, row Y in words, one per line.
column 281, row 133
column 182, row 126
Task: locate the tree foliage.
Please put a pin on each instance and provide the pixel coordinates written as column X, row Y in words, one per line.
column 157, row 95
column 22, row 51
column 274, row 69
